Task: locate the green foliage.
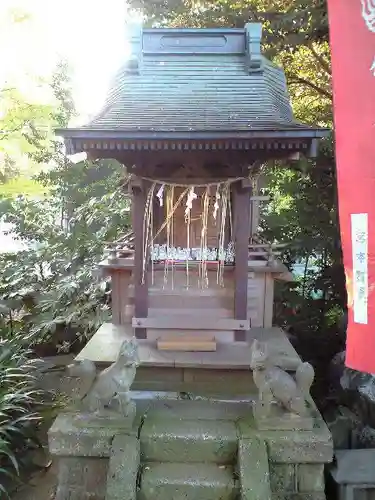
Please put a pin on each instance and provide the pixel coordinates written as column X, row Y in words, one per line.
column 20, row 404
column 26, row 128
column 24, row 124
column 27, row 141
column 22, row 186
column 51, row 287
column 303, row 213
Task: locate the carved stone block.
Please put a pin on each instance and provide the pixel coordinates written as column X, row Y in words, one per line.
column 82, row 478
column 280, row 419
column 67, row 437
column 254, row 470
column 282, row 477
column 310, row 477
column 299, row 496
column 294, row 447
column 123, row 468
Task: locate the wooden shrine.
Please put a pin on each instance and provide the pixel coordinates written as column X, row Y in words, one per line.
column 194, row 115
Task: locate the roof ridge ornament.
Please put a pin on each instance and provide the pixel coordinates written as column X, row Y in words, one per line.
column 253, row 38
column 135, row 33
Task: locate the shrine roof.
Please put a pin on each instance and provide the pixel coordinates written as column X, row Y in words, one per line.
column 196, row 83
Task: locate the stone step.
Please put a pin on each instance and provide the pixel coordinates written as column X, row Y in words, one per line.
column 168, row 406
column 178, row 440
column 181, row 481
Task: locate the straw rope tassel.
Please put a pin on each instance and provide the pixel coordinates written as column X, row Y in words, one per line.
column 188, row 224
column 146, row 228
column 203, row 264
column 172, row 234
column 152, row 237
column 175, row 206
column 223, row 219
column 168, row 228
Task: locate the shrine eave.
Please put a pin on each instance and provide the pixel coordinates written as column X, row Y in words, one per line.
column 292, row 140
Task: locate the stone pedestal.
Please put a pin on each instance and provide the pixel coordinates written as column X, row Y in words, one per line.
column 98, row 458
column 295, row 459
column 281, row 419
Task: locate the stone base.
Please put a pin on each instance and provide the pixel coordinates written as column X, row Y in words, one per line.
column 106, row 459
column 69, row 436
column 280, row 419
column 98, row 456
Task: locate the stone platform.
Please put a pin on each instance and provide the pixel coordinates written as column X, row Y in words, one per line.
column 189, row 449
column 225, row 371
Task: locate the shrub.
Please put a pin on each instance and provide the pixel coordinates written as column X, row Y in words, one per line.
column 51, row 288
column 20, row 404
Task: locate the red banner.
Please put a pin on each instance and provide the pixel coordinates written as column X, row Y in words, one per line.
column 352, row 34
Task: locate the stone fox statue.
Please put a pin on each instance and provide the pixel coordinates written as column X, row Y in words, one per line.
column 276, row 385
column 113, row 383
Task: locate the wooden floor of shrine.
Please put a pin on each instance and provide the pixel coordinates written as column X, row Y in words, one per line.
column 226, row 369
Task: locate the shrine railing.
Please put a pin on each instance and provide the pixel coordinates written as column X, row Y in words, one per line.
column 122, row 247
column 261, row 252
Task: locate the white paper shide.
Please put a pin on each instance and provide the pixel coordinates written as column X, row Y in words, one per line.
column 359, row 230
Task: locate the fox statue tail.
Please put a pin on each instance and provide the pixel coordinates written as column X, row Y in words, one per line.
column 86, row 371
column 304, row 378
column 82, row 369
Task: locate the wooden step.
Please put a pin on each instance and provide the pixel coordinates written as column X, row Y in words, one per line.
column 186, row 343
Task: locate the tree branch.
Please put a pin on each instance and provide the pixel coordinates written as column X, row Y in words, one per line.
column 302, row 81
column 5, row 134
column 324, row 64
column 7, row 89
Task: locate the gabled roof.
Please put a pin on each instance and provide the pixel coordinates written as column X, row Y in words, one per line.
column 196, row 83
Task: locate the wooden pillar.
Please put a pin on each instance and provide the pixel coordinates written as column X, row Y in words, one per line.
column 139, row 189
column 241, row 199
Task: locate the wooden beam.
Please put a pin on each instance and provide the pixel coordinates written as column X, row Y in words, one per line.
column 219, row 313
column 191, row 323
column 241, row 198
column 140, row 281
